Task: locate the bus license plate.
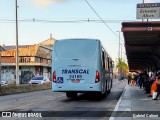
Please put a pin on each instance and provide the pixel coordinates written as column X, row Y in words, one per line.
column 75, row 81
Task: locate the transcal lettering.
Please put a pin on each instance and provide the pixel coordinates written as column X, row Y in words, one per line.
column 75, row 71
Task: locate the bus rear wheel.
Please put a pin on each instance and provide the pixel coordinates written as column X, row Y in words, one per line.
column 105, row 92
column 71, row 94
column 110, row 86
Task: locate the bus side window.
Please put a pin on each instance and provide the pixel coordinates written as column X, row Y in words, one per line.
column 111, row 66
column 103, row 59
column 108, row 63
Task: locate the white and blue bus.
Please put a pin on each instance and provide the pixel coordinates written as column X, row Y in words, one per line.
column 81, row 65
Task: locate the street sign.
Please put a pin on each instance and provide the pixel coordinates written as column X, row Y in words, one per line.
column 148, row 11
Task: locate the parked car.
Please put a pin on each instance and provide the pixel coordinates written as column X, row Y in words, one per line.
column 39, row 80
column 3, row 82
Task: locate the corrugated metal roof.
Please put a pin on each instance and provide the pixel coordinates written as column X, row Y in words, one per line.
column 142, row 44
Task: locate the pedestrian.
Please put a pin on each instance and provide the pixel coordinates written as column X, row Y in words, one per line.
column 132, row 80
column 146, row 79
column 137, row 80
column 141, row 80
column 149, row 86
column 129, row 78
column 158, row 87
column 153, row 88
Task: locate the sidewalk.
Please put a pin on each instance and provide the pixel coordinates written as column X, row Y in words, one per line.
column 137, row 104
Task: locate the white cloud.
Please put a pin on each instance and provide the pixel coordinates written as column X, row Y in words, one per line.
column 46, row 2
column 148, row 1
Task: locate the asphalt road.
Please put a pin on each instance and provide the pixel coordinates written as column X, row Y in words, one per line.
column 85, row 106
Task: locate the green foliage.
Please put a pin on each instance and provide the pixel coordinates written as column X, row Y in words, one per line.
column 121, row 64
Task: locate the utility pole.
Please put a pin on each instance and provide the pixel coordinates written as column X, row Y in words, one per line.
column 142, row 17
column 121, row 50
column 119, row 70
column 119, row 46
column 17, row 60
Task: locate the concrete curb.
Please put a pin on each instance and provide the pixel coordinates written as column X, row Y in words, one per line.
column 118, row 103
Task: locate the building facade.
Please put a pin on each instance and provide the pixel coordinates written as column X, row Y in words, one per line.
column 33, row 60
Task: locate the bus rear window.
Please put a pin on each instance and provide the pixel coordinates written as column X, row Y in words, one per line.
column 75, row 48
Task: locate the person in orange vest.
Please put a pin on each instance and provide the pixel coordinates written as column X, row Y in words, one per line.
column 158, row 87
column 153, row 88
column 152, row 83
column 132, row 80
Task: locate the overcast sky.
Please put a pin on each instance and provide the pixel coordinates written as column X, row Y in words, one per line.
column 66, row 19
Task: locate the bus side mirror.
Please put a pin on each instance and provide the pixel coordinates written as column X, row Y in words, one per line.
column 112, row 65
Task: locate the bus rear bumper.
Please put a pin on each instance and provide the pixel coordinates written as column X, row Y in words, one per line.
column 79, row 88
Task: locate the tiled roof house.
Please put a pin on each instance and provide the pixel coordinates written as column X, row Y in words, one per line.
column 33, row 60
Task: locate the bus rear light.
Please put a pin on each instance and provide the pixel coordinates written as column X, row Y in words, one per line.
column 54, row 77
column 97, row 77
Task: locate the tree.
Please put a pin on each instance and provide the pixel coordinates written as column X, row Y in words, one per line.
column 122, row 68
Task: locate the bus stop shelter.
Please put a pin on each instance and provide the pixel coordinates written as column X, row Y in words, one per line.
column 142, row 44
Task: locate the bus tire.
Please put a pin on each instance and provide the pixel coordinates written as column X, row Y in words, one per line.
column 109, row 91
column 105, row 93
column 110, row 86
column 111, row 83
column 71, row 94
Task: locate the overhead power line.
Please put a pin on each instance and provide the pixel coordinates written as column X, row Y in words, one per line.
column 101, row 19
column 64, row 21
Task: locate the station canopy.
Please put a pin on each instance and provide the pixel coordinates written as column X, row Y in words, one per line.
column 142, row 44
